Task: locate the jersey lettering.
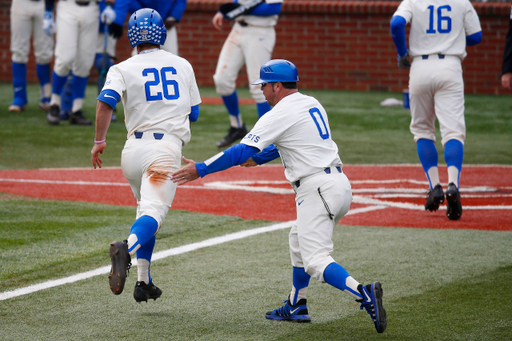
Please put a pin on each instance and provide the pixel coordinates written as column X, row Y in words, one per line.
column 444, row 22
column 322, row 128
column 168, row 87
column 252, row 137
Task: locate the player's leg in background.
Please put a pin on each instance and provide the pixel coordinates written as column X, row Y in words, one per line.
column 231, row 60
column 171, row 43
column 43, row 51
column 66, row 46
column 87, row 36
column 104, row 59
column 258, row 45
column 21, row 28
column 66, row 99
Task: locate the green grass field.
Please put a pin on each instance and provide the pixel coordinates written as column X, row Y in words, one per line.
column 438, row 284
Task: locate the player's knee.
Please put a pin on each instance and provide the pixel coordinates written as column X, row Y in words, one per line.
column 223, row 86
column 257, row 94
column 20, row 58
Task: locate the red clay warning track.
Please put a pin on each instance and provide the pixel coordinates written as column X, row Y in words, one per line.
column 384, row 195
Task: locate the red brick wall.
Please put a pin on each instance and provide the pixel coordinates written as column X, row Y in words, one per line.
column 343, row 45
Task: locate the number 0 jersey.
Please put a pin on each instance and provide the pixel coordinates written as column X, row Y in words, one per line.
column 439, row 26
column 157, row 89
column 298, row 126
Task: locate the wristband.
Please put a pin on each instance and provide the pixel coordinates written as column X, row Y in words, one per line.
column 100, row 141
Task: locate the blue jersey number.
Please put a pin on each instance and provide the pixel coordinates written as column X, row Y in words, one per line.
column 162, row 84
column 322, row 128
column 442, row 20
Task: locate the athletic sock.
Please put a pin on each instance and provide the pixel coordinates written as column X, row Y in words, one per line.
column 67, row 95
column 58, row 85
column 427, row 153
column 43, row 74
column 19, row 83
column 143, row 229
column 338, row 277
column 300, row 285
column 453, row 155
column 231, row 103
column 144, row 260
column 262, row 108
column 78, row 84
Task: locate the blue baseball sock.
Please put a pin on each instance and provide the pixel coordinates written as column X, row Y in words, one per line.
column 67, row 96
column 19, row 83
column 43, row 73
column 337, row 276
column 58, row 83
column 427, row 153
column 145, row 252
column 262, row 108
column 453, row 155
column 300, row 281
column 231, row 103
column 144, row 228
column 79, row 85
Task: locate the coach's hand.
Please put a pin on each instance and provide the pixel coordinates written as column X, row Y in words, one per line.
column 97, row 149
column 186, row 174
column 217, row 20
column 403, row 62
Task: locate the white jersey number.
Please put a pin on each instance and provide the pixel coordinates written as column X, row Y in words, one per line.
column 322, row 128
column 160, row 86
column 444, row 23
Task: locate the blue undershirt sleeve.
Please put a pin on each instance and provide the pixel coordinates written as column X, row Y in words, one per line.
column 235, row 155
column 110, row 97
column 474, row 39
column 268, row 154
column 398, row 34
column 194, row 113
column 265, row 10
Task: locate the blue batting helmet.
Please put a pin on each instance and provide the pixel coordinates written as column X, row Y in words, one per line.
column 146, row 26
column 277, row 70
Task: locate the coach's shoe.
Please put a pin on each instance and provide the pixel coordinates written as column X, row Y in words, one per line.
column 78, row 118
column 453, row 205
column 52, row 117
column 372, row 302
column 233, row 135
column 44, row 104
column 435, row 198
column 293, row 313
column 143, row 292
column 16, row 108
column 121, row 263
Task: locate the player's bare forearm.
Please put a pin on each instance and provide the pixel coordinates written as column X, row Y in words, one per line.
column 186, row 173
column 249, row 163
column 103, row 119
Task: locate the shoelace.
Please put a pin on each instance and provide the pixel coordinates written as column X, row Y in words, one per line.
column 370, row 309
column 284, row 310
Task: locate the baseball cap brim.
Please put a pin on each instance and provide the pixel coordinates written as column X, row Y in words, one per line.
column 258, row 81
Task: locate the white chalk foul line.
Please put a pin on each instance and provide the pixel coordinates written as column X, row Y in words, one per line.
column 156, row 256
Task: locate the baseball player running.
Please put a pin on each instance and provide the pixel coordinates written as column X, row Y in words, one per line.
column 77, row 31
column 297, row 129
column 440, row 31
column 160, row 98
column 506, row 67
column 27, row 18
column 251, row 41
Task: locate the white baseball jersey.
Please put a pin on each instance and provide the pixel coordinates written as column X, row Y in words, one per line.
column 299, row 128
column 439, row 26
column 157, row 89
column 27, row 20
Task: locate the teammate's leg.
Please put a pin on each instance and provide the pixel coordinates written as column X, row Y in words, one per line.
column 43, row 51
column 43, row 74
column 428, row 156
column 19, row 83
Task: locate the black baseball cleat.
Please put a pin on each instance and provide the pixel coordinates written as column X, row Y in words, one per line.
column 288, row 312
column 453, row 205
column 435, row 198
column 121, row 263
column 372, row 302
column 52, row 116
column 78, row 118
column 143, row 292
column 233, row 135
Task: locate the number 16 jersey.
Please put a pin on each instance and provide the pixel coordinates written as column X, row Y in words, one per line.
column 157, row 89
column 439, row 26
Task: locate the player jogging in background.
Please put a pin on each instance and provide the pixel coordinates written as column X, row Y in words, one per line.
column 297, row 129
column 27, row 20
column 440, row 32
column 160, row 98
column 250, row 42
